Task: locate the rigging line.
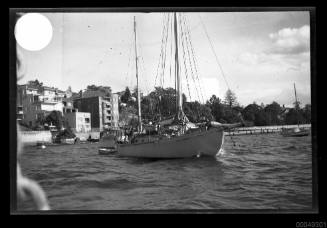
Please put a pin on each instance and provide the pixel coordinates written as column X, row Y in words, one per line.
column 162, row 38
column 192, row 74
column 171, row 47
column 129, row 62
column 186, row 72
column 193, row 55
column 145, row 73
column 162, row 51
column 165, row 53
column 189, row 59
column 214, row 51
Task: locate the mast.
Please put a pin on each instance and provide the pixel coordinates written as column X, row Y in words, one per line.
column 179, row 100
column 137, row 85
column 296, row 106
column 296, row 102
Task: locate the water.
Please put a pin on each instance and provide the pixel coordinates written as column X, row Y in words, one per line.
column 252, row 172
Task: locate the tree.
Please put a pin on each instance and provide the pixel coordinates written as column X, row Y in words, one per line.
column 249, row 112
column 216, row 107
column 148, row 107
column 101, row 90
column 35, row 83
column 307, row 113
column 56, row 118
column 297, row 105
column 69, row 89
column 230, row 98
column 294, row 117
column 261, row 118
column 273, row 112
column 197, row 112
column 126, row 96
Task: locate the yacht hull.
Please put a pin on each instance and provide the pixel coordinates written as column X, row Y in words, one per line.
column 205, row 143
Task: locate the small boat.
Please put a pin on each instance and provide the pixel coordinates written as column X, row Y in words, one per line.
column 107, row 150
column 68, row 141
column 295, row 132
column 40, row 145
column 107, row 145
column 93, row 140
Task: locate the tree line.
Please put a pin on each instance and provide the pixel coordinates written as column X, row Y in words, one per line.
column 161, row 103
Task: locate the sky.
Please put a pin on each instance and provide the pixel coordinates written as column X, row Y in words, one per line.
column 261, row 53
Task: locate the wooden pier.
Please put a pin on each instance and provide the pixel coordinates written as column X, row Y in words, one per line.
column 263, row 129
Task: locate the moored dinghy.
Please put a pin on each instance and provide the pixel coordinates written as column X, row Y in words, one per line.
column 107, row 145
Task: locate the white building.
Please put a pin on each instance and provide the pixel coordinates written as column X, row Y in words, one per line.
column 79, row 121
column 35, row 102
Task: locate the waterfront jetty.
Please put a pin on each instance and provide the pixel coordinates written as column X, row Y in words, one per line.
column 39, row 138
column 263, row 129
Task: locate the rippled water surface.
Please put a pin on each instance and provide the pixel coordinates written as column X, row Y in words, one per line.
column 253, row 172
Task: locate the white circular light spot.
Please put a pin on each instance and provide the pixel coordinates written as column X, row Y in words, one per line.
column 33, row 31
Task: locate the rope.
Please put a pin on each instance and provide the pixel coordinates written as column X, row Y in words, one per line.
column 171, row 49
column 193, row 56
column 146, row 81
column 212, row 48
column 161, row 51
column 129, row 63
column 189, row 59
column 165, row 52
column 186, row 72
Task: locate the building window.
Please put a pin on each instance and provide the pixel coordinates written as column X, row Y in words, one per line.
column 87, row 120
column 36, row 98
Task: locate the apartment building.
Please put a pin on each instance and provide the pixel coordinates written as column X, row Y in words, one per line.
column 104, row 110
column 35, row 102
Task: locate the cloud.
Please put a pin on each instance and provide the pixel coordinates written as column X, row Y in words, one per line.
column 288, row 47
column 290, row 41
column 249, row 58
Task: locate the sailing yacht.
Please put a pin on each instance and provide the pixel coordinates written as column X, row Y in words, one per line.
column 295, row 132
column 187, row 140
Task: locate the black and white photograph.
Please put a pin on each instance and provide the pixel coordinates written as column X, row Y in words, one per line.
column 174, row 110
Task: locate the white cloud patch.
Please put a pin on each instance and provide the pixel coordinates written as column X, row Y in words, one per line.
column 291, row 40
column 249, row 58
column 287, row 48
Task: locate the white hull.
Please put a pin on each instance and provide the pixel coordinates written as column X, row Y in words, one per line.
column 206, row 143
